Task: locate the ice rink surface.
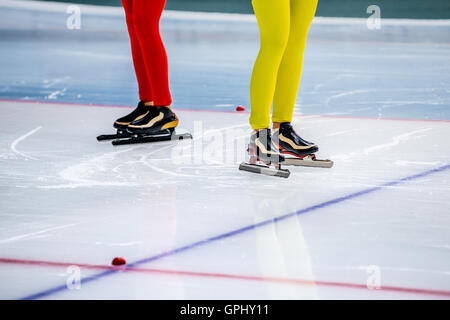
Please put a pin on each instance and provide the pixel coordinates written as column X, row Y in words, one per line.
column 190, row 225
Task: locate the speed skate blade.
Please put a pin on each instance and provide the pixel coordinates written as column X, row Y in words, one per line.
column 135, row 139
column 256, row 168
column 308, row 162
column 105, row 137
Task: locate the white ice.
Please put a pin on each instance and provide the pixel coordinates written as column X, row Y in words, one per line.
column 69, row 199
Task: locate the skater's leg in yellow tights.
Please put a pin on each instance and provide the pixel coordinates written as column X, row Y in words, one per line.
column 288, row 81
column 283, row 26
column 273, row 21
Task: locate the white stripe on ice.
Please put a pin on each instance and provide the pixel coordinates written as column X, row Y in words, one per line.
column 16, row 142
column 27, row 235
column 395, row 140
column 76, row 173
column 55, row 94
column 347, row 93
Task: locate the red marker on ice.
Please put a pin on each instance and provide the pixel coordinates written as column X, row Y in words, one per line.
column 118, row 261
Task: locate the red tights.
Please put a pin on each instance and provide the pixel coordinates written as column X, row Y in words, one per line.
column 147, row 48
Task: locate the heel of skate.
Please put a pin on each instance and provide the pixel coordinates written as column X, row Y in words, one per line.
column 309, row 160
column 267, row 170
column 262, row 166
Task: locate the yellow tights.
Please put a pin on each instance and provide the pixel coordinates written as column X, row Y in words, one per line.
column 283, row 27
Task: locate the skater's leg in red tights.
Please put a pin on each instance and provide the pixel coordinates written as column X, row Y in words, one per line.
column 146, row 16
column 145, row 88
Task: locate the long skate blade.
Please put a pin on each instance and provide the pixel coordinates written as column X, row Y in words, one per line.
column 256, row 168
column 105, row 137
column 151, row 138
column 308, row 162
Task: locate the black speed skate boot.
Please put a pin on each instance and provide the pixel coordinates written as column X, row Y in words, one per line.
column 157, row 124
column 297, row 151
column 121, row 124
column 159, row 120
column 139, row 112
column 264, row 159
column 290, row 143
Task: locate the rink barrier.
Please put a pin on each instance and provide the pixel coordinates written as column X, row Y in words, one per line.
column 49, row 6
column 103, row 22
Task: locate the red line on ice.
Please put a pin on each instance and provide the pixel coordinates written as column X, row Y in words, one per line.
column 226, row 276
column 217, row 111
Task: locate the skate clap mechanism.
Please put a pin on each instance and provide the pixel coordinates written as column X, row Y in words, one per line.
column 268, row 151
column 145, row 124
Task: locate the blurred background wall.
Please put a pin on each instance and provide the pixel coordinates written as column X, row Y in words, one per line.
column 412, row 9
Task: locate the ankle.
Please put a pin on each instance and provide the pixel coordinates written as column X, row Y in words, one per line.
column 276, row 125
column 148, row 103
column 161, row 106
